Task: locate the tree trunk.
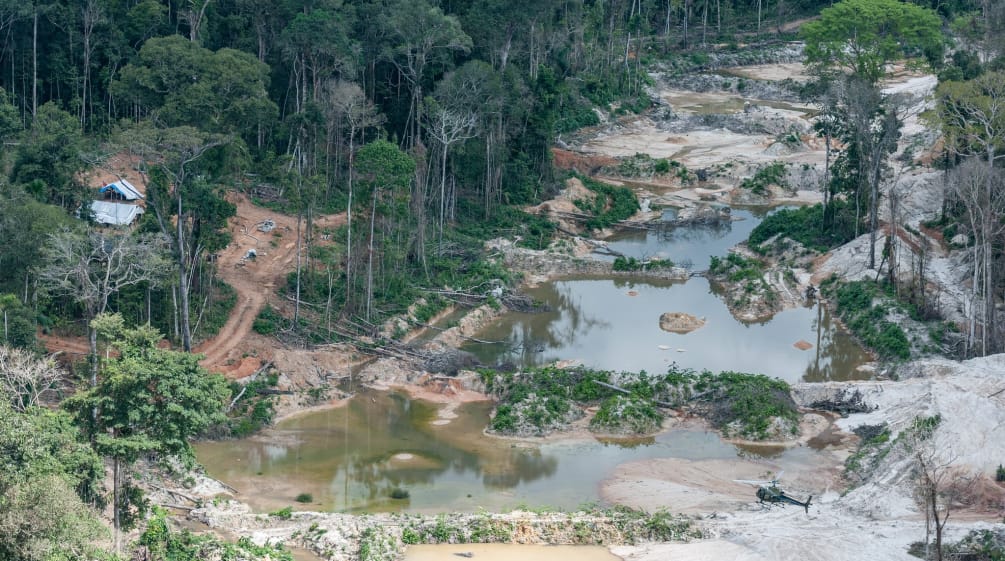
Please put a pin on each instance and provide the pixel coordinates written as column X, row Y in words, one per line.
column 183, row 284
column 116, row 491
column 34, row 63
column 369, row 268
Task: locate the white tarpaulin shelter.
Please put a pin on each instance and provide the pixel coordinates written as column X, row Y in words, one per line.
column 115, row 214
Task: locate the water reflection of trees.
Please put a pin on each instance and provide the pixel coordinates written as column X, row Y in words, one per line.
column 534, row 334
column 836, row 355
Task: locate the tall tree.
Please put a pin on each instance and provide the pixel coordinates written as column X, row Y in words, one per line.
column 421, row 37
column 149, row 400
column 49, row 157
column 385, row 173
column 972, row 115
column 47, row 475
column 862, row 36
column 189, row 211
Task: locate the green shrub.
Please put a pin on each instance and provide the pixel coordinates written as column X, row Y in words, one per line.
column 267, row 322
column 399, row 494
column 610, row 204
column 627, row 414
column 631, row 264
column 305, row 498
column 804, row 225
column 1000, row 474
column 771, row 174
column 858, row 307
column 410, row 537
column 285, row 513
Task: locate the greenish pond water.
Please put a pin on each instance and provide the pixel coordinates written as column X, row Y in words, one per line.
column 350, row 459
column 691, row 245
column 598, row 322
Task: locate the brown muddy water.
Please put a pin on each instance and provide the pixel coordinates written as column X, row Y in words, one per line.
column 351, row 459
column 613, row 324
column 508, row 552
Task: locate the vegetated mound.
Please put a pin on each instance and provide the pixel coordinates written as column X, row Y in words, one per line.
column 544, row 400
column 680, row 322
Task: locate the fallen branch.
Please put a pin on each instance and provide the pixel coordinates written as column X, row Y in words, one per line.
column 175, row 493
column 627, row 392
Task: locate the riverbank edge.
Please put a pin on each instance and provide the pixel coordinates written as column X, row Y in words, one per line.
column 344, row 537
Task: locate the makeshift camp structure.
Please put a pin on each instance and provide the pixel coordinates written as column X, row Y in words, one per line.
column 121, row 190
column 115, row 214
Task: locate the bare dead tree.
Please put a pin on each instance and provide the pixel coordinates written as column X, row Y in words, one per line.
column 447, row 126
column 941, row 487
column 25, row 378
column 90, row 267
column 345, row 103
column 981, row 190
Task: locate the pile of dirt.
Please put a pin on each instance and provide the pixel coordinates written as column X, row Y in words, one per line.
column 679, row 322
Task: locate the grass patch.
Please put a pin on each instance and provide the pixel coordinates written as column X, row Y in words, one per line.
column 609, row 205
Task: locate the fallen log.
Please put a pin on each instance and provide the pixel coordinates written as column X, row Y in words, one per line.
column 626, row 392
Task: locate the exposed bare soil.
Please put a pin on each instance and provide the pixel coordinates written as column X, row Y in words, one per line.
column 232, row 351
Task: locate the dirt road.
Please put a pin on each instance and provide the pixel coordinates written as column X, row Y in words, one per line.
column 254, row 280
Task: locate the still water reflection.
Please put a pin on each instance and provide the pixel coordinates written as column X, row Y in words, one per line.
column 691, row 245
column 350, row 459
column 602, row 324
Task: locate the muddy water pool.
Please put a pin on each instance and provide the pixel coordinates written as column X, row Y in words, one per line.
column 351, row 459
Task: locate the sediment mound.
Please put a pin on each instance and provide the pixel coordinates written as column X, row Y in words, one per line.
column 679, row 322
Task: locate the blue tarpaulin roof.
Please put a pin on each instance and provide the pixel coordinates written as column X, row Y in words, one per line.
column 125, row 189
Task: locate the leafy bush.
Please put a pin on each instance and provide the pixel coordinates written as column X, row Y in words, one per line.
column 284, row 513
column 736, row 268
column 630, row 264
column 267, row 322
column 164, row 545
column 399, row 494
column 857, row 306
column 771, row 174
column 627, row 414
column 305, row 498
column 804, row 225
column 609, row 205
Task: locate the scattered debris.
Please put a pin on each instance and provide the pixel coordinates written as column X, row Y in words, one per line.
column 266, row 225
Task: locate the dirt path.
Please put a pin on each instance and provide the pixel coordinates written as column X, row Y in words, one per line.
column 254, row 280
column 76, row 346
